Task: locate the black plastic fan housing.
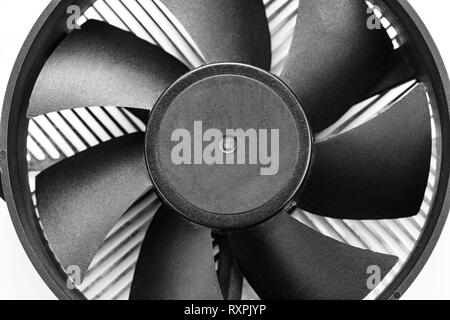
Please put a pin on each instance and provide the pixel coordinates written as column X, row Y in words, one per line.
column 231, row 149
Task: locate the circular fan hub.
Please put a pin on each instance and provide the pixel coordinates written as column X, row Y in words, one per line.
column 228, row 145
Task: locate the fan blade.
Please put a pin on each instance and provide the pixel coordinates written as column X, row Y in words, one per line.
column 101, row 65
column 81, row 198
column 226, row 30
column 398, row 71
column 230, row 277
column 334, row 58
column 176, row 261
column 283, row 259
column 378, row 170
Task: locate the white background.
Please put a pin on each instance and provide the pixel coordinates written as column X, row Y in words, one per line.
column 19, row 280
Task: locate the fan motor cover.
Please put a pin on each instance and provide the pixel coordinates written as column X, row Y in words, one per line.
column 228, row 97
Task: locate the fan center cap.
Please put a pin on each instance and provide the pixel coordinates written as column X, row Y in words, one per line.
column 228, row 145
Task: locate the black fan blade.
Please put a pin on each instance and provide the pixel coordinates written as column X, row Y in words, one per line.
column 283, row 259
column 101, row 65
column 230, row 277
column 335, row 58
column 81, row 198
column 226, row 30
column 176, row 261
column 378, row 170
column 398, row 71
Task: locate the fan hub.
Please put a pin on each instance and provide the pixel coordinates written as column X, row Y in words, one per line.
column 228, row 145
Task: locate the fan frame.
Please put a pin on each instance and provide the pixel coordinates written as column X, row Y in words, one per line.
column 49, row 30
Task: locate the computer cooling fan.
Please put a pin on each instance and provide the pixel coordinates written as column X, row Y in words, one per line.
column 310, row 153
